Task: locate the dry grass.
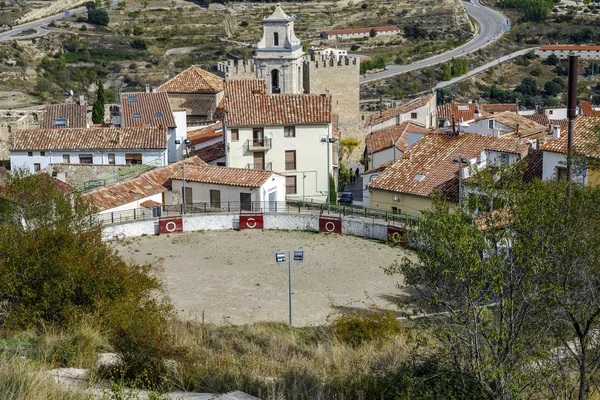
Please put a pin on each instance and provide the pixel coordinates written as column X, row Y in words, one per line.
column 22, row 380
column 273, row 360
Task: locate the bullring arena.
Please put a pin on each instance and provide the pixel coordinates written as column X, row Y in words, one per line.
column 231, row 276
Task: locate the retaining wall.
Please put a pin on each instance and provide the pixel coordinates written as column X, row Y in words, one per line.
column 279, row 221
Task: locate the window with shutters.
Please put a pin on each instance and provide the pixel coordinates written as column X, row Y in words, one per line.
column 66, row 159
column 413, row 115
column 215, row 198
column 289, row 131
column 290, row 184
column 235, row 135
column 36, row 167
column 290, row 160
column 133, row 158
column 111, row 159
column 86, row 159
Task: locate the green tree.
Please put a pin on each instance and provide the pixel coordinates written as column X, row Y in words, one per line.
column 98, row 17
column 138, row 30
column 552, row 59
column 447, row 75
column 90, row 5
column 98, row 107
column 139, row 44
column 332, row 190
column 372, row 32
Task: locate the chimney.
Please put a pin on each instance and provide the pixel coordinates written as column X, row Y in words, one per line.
column 453, row 125
column 517, row 129
column 555, row 132
column 147, row 88
column 81, row 100
column 476, row 114
column 153, row 89
column 517, row 110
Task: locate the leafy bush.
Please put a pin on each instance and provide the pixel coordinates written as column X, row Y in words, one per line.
column 139, row 44
column 537, row 71
column 364, row 326
column 244, row 24
column 98, row 17
column 552, row 59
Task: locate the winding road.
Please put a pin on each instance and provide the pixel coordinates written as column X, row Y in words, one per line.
column 491, row 27
column 38, row 24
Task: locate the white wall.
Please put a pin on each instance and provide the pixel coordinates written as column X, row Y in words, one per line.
column 552, row 160
column 201, row 191
column 383, row 156
column 20, row 159
column 366, row 179
column 280, row 221
column 426, row 116
column 311, row 156
column 482, row 128
column 556, row 113
column 178, row 133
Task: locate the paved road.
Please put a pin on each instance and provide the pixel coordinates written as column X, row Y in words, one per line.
column 37, row 25
column 491, row 27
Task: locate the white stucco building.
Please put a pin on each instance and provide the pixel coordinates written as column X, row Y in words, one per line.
column 421, row 111
column 35, row 149
column 230, row 188
column 357, row 33
column 284, row 133
column 390, row 143
column 588, row 52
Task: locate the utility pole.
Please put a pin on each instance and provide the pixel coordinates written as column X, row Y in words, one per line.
column 571, row 114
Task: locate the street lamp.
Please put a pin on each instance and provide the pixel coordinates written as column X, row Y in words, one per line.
column 328, row 140
column 280, row 257
column 187, row 143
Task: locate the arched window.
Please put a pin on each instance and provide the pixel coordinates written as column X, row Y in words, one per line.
column 275, row 81
column 275, row 39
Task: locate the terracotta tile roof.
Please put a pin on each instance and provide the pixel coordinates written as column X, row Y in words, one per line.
column 396, row 135
column 585, row 138
column 363, row 30
column 248, row 105
column 192, row 106
column 75, row 115
column 225, row 176
column 525, row 126
column 429, row 166
column 147, row 184
column 587, row 108
column 147, row 109
column 541, row 119
column 380, row 168
column 150, row 204
column 90, row 139
column 461, row 111
column 570, row 48
column 533, row 170
column 562, row 123
column 210, row 153
column 401, row 109
column 494, row 108
column 193, row 80
column 205, row 134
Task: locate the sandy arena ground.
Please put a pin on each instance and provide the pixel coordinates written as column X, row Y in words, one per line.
column 233, row 276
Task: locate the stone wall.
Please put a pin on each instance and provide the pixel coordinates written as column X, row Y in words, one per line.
column 75, row 174
column 277, row 221
column 11, row 121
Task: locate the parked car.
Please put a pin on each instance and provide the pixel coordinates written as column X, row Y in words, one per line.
column 346, row 198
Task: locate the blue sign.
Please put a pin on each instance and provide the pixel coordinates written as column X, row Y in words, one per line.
column 506, row 27
column 67, row 14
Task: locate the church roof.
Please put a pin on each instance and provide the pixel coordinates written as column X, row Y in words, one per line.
column 279, row 15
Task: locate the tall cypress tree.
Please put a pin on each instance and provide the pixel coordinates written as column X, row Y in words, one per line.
column 98, row 108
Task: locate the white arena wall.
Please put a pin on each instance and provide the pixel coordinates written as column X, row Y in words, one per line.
column 275, row 221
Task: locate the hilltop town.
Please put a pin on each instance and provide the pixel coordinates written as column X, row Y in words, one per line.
column 299, row 200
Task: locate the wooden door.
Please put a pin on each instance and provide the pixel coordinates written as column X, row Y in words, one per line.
column 259, row 160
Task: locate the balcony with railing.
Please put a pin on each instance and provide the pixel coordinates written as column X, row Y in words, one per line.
column 258, row 144
column 265, row 166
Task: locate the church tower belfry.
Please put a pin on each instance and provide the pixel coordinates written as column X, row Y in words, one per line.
column 279, row 55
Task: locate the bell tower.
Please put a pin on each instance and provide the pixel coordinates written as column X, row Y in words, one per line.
column 279, row 55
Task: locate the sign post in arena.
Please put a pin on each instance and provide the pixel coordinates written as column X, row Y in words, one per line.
column 330, row 224
column 251, row 221
column 170, row 225
column 396, row 233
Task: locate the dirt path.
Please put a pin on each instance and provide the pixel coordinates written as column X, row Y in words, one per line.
column 233, row 276
column 53, row 7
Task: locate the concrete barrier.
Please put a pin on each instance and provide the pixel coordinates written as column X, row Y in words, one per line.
column 276, row 221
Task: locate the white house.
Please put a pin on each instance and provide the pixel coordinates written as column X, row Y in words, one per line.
column 285, row 133
column 589, row 52
column 207, row 143
column 357, row 33
column 35, row 149
column 421, row 110
column 584, row 144
column 230, row 188
column 327, row 52
column 153, row 109
column 505, row 123
column 390, row 143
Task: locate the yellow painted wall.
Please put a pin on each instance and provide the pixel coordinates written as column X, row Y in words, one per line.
column 593, row 177
column 412, row 205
